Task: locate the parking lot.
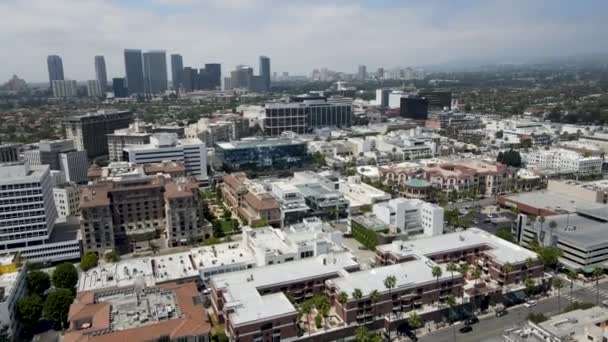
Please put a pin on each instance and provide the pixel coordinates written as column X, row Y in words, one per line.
column 364, row 256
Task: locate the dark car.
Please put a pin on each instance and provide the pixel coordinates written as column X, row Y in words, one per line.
column 411, row 335
column 466, row 329
column 471, row 320
column 501, row 313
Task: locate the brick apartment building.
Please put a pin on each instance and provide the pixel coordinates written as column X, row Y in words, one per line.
column 251, row 202
column 128, row 206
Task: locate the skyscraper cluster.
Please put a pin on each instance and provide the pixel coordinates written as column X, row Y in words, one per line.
column 242, row 77
column 146, row 74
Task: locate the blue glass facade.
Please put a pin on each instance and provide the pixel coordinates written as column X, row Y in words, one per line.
column 262, row 156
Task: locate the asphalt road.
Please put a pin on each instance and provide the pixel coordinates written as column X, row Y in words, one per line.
column 491, row 328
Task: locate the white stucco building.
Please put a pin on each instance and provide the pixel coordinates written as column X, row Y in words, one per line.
column 411, row 216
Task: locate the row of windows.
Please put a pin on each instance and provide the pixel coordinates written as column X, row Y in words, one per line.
column 19, row 186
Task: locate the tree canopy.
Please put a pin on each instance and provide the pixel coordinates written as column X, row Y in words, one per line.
column 65, row 276
column 57, row 305
column 29, row 309
column 38, row 282
column 88, row 261
column 510, row 158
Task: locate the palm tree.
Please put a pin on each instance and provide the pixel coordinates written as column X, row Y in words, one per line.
column 374, row 296
column 306, row 309
column 506, row 268
column 414, row 321
column 571, row 276
column 390, row 282
column 530, row 285
column 437, row 273
column 552, row 226
column 476, row 274
column 558, row 284
column 452, row 267
column 362, row 334
column 541, row 219
column 597, row 273
column 357, row 295
column 464, row 270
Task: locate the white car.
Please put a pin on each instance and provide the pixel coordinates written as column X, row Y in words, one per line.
column 530, row 303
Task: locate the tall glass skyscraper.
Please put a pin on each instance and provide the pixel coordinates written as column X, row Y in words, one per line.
column 214, row 72
column 155, row 72
column 134, row 71
column 265, row 72
column 100, row 71
column 55, row 65
column 177, row 67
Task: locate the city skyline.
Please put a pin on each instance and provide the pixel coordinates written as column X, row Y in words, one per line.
column 379, row 34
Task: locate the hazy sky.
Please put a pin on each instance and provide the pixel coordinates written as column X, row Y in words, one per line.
column 298, row 35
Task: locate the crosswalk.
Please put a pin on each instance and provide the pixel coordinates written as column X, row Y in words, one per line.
column 591, row 292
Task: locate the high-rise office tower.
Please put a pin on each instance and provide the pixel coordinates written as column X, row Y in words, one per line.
column 241, row 77
column 155, row 72
column 55, row 65
column 95, row 88
column 214, row 73
column 100, row 72
column 135, row 71
column 189, row 76
column 27, row 205
column 177, row 67
column 362, row 74
column 265, row 72
column 89, row 130
column 119, row 88
column 64, row 88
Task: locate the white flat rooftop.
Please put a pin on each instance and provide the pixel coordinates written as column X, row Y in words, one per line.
column 502, row 250
column 242, row 288
column 408, row 274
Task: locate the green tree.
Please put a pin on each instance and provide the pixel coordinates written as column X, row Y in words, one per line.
column 38, row 282
column 530, row 286
column 597, row 273
column 261, row 223
column 29, row 309
column 374, row 296
column 414, row 321
column 552, row 226
column 362, row 334
column 452, row 267
column 558, row 284
column 437, row 273
column 88, row 261
column 505, row 234
column 57, row 305
column 318, row 321
column 572, row 277
column 507, row 268
column 357, row 294
column 306, row 309
column 342, row 297
column 112, row 256
column 476, row 275
column 65, row 276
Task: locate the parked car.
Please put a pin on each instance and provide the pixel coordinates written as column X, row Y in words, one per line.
column 501, row 312
column 471, row 320
column 605, row 303
column 466, row 329
column 530, row 303
column 362, row 248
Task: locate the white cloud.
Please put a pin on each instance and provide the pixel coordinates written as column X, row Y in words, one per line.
column 297, row 34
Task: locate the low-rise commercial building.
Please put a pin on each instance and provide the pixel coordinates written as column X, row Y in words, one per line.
column 167, row 147
column 60, row 155
column 164, row 313
column 262, row 155
column 411, row 216
column 250, row 200
column 253, row 304
column 582, row 236
column 14, row 286
column 578, row 325
column 564, row 161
